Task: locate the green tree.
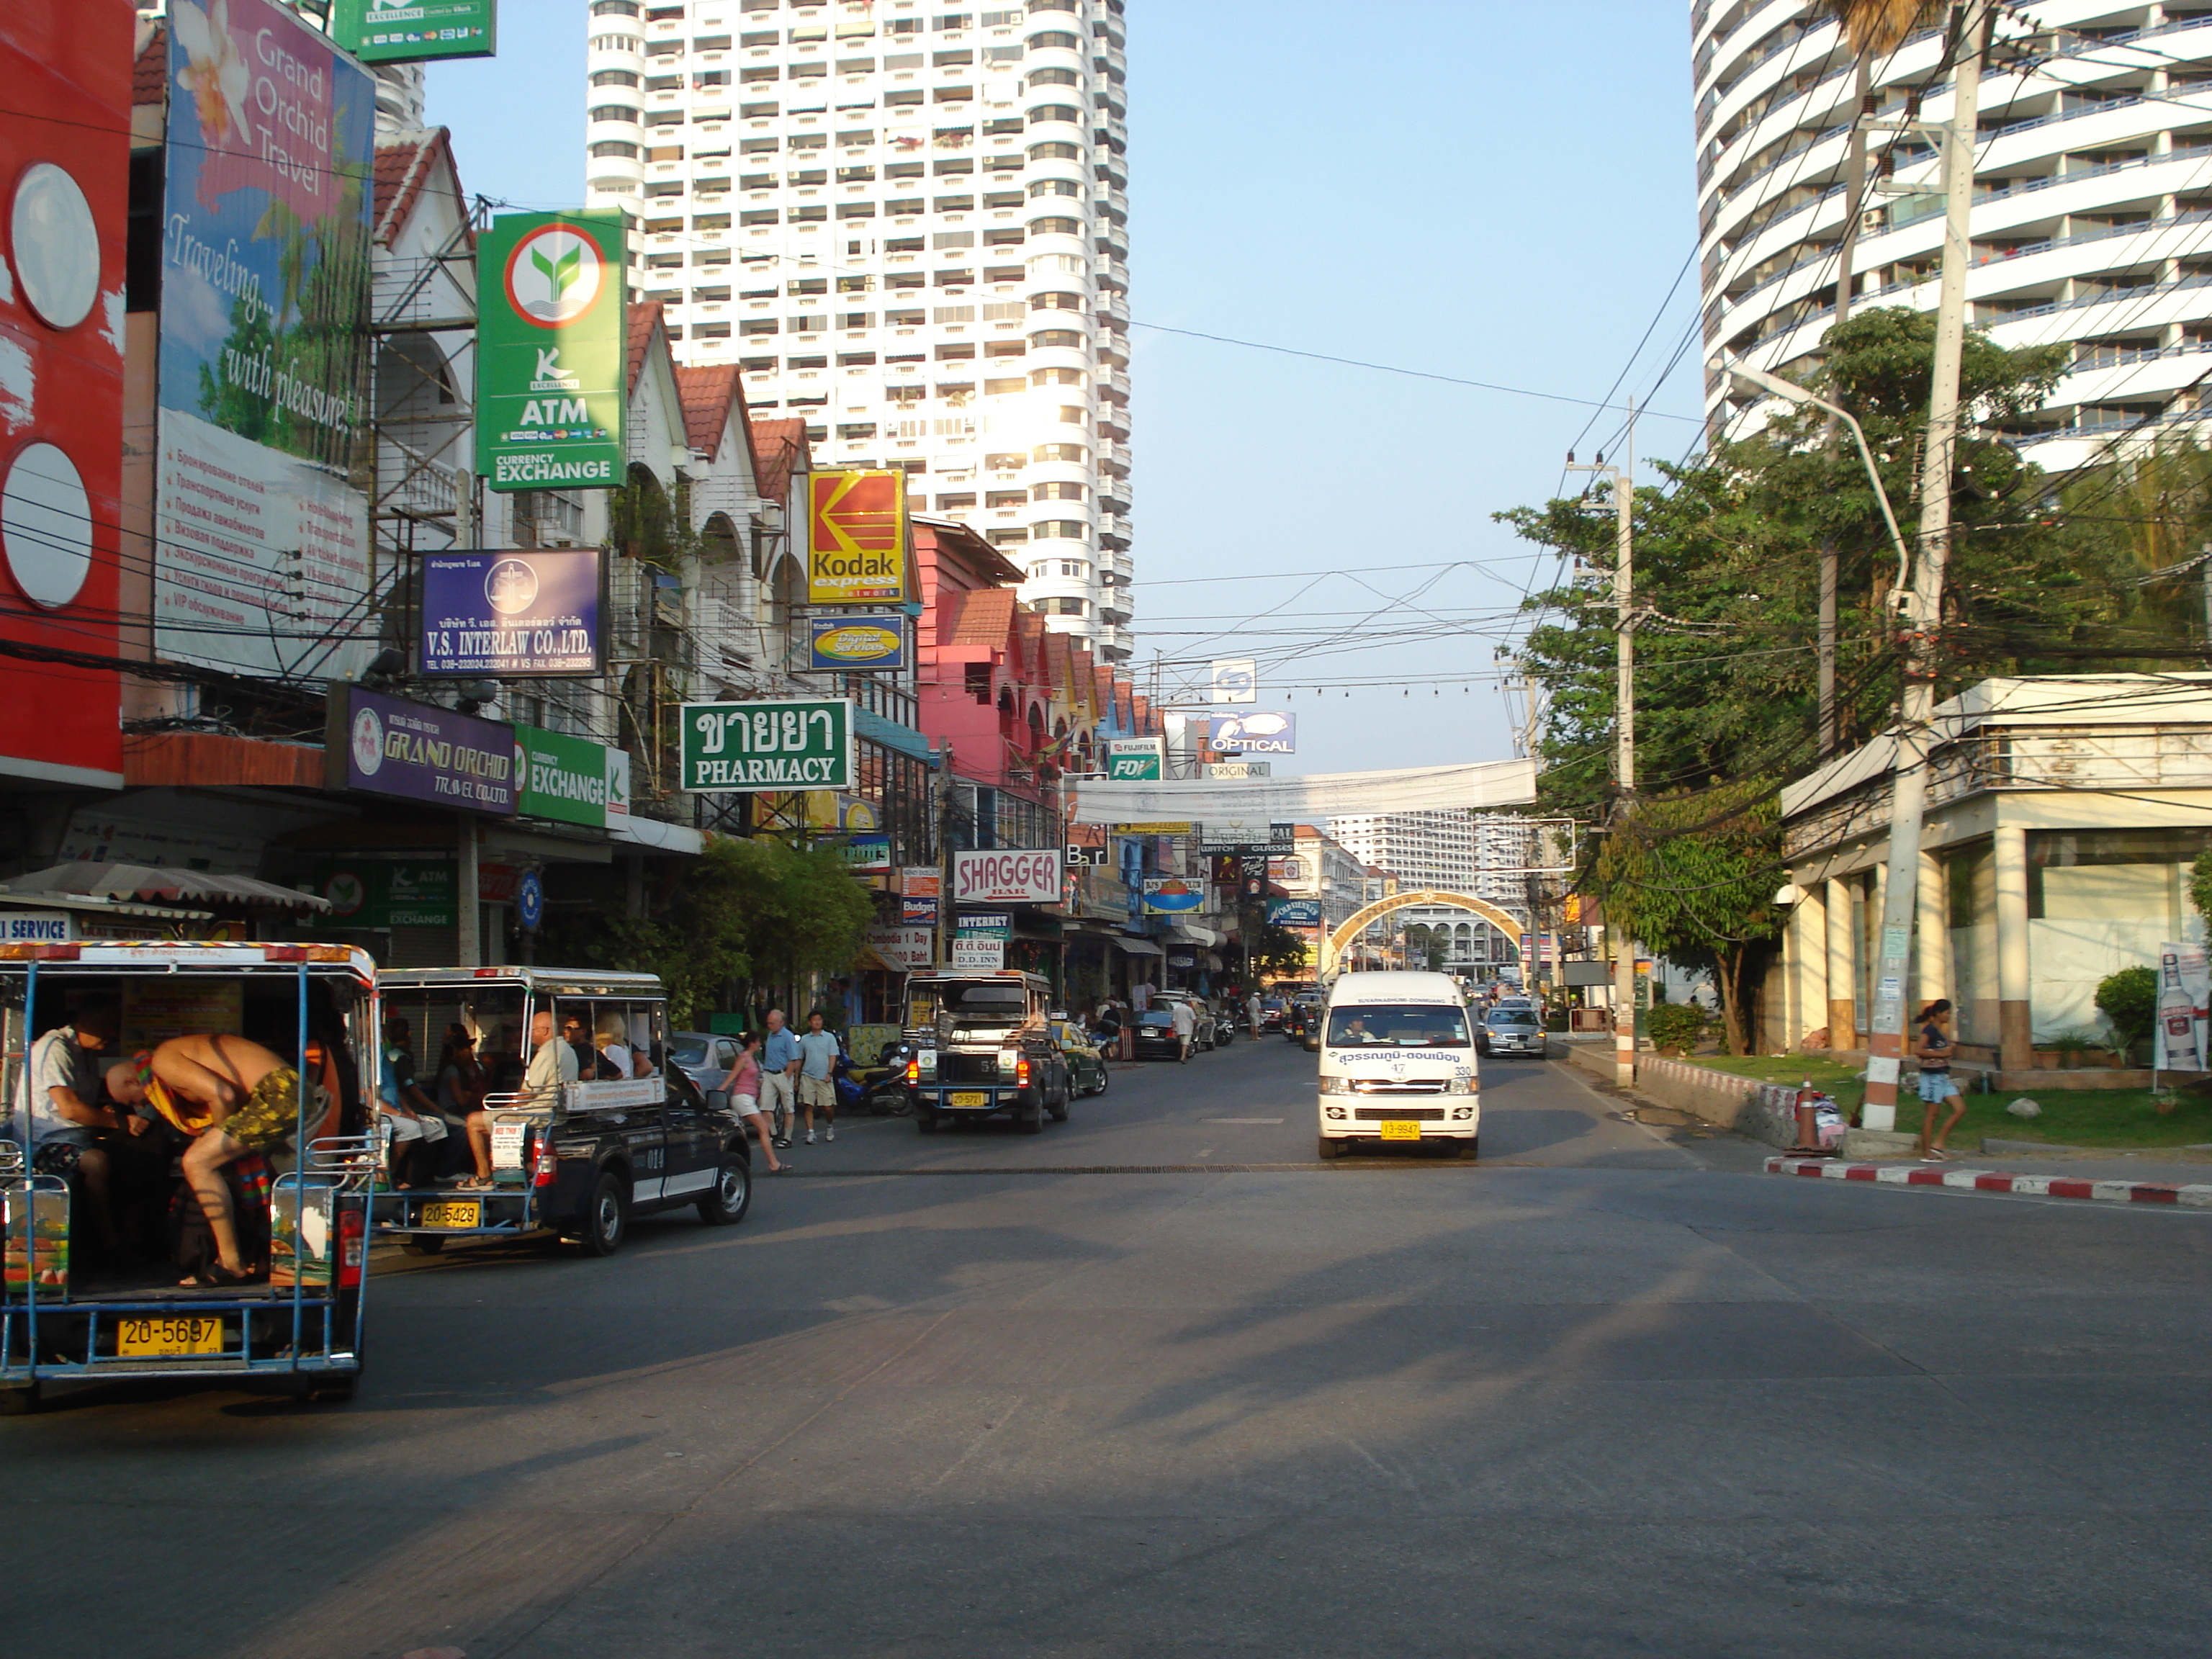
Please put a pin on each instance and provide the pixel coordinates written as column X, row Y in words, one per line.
column 2128, row 999
column 1280, row 953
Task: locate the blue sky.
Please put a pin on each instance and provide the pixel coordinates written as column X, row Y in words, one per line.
column 1494, row 193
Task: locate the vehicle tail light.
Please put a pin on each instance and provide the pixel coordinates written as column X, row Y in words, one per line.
column 547, row 1163
column 914, row 1070
column 1022, row 1073
column 353, row 1228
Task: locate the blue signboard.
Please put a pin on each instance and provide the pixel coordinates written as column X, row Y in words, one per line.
column 377, row 744
column 857, row 640
column 513, row 615
column 530, row 898
column 1294, row 912
column 1257, row 734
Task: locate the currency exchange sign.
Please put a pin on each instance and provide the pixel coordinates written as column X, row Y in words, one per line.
column 781, row 744
column 551, row 381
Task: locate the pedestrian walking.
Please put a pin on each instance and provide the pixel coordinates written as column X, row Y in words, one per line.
column 1186, row 1027
column 1252, row 1014
column 743, row 1086
column 1934, row 1052
column 817, row 1080
column 779, row 1065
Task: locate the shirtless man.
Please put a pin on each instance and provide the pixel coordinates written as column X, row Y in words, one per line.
column 248, row 1099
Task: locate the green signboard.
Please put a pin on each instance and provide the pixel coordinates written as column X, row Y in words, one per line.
column 411, row 31
column 551, row 381
column 563, row 778
column 383, row 892
column 751, row 747
column 1135, row 759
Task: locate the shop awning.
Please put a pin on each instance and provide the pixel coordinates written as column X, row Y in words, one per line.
column 1194, row 934
column 652, row 832
column 161, row 884
column 1138, row 947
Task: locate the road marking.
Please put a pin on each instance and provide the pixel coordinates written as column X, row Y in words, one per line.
column 1240, row 1119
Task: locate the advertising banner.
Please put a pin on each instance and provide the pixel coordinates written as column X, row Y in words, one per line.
column 868, row 852
column 1257, row 734
column 552, row 378
column 383, row 745
column 371, row 893
column 985, row 922
column 1247, row 839
column 978, row 953
column 563, row 778
column 1135, row 760
column 411, row 31
column 856, row 537
column 65, row 164
column 1294, row 912
column 914, row 949
column 511, row 615
column 1172, row 895
column 2185, row 989
column 262, row 562
column 784, row 744
column 1030, row 877
column 918, row 911
column 865, row 641
column 1235, row 679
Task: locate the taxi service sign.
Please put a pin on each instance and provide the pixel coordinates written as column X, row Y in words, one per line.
column 552, row 386
column 856, row 535
column 791, row 743
column 868, row 642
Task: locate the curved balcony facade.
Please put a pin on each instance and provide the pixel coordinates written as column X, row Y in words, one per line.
column 2092, row 218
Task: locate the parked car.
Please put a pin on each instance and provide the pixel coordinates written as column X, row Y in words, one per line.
column 1206, row 1033
column 706, row 1058
column 1509, row 1030
column 1087, row 1072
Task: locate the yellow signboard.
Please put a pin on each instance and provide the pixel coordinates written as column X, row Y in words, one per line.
column 1155, row 829
column 856, row 537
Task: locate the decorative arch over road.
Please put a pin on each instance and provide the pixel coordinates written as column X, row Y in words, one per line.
column 1360, row 920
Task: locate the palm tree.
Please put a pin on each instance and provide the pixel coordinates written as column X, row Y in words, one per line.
column 1873, row 27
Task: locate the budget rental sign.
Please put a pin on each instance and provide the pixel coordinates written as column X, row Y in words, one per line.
column 552, row 385
column 1030, row 877
column 856, row 535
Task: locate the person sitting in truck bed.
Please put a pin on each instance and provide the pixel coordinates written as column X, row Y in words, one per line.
column 73, row 1135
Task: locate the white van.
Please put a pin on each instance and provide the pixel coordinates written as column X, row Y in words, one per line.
column 1397, row 1065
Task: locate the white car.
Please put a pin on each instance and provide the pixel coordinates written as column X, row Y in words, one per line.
column 1398, row 1066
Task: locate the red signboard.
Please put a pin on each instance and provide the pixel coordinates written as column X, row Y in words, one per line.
column 64, row 188
column 856, row 537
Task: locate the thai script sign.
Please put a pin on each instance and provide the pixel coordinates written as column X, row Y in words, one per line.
column 512, row 615
column 383, row 745
column 784, row 744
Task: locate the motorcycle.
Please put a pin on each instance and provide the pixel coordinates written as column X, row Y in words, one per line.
column 883, row 1087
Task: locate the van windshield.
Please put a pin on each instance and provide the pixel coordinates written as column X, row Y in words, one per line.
column 1397, row 1025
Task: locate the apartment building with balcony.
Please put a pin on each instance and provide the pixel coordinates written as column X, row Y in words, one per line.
column 2092, row 224
column 907, row 227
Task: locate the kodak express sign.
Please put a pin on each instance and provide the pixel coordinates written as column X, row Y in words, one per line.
column 856, row 537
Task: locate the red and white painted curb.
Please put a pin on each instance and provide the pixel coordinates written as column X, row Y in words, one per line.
column 2198, row 1195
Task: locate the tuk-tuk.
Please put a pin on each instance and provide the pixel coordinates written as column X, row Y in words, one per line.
column 632, row 1134
column 983, row 1044
column 312, row 1007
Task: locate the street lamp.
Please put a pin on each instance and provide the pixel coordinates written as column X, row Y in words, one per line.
column 1790, row 392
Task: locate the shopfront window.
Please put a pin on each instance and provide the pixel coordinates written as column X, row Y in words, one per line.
column 2112, row 875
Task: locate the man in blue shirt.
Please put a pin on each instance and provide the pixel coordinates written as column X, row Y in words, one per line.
column 779, row 1065
column 818, row 1068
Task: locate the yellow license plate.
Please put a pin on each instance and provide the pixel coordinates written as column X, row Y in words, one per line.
column 450, row 1215
column 970, row 1097
column 1400, row 1128
column 150, row 1338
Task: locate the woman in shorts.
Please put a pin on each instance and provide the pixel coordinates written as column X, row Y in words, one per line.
column 743, row 1087
column 1934, row 1052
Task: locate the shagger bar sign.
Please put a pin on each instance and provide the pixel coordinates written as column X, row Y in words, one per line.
column 1015, row 877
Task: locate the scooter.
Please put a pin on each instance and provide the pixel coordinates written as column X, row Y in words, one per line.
column 882, row 1086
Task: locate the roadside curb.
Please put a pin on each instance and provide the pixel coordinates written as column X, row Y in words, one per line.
column 2195, row 1196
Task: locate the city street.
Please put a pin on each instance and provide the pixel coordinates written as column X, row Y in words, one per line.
column 1601, row 1394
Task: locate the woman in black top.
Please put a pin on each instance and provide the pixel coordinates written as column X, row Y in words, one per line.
column 1934, row 1052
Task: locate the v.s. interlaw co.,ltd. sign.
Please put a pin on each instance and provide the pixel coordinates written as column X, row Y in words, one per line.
column 784, row 744
column 552, row 385
column 511, row 615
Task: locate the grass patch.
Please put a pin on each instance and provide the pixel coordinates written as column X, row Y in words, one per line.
column 2071, row 1117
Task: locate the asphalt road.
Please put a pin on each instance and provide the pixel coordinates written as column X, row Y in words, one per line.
column 1604, row 1393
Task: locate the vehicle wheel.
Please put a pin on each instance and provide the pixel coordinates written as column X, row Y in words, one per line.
column 1325, row 1147
column 1066, row 1094
column 1032, row 1121
column 1467, row 1151
column 423, row 1244
column 606, row 1221
column 730, row 1197
column 926, row 1123
column 18, row 1402
column 1105, row 1075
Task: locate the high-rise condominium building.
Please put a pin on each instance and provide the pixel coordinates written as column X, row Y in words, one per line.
column 909, row 225
column 2092, row 217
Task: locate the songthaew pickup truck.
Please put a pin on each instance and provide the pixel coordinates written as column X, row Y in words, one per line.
column 983, row 1044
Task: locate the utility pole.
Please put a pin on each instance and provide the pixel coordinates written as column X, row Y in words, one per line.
column 1854, row 168
column 944, row 798
column 1916, row 702
column 1623, row 599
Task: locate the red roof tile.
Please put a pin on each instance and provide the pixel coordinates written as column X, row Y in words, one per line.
column 984, row 615
column 708, row 393
column 644, row 318
column 402, row 171
column 149, row 75
column 777, row 448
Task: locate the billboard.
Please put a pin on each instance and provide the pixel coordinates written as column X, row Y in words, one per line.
column 1294, row 912
column 1257, row 734
column 1235, row 679
column 856, row 537
column 1017, row 876
column 410, row 31
column 515, row 615
column 1173, row 895
column 262, row 562
column 563, row 778
column 1136, row 759
column 381, row 745
column 789, row 743
column 552, row 378
column 64, row 193
column 863, row 642
column 388, row 892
